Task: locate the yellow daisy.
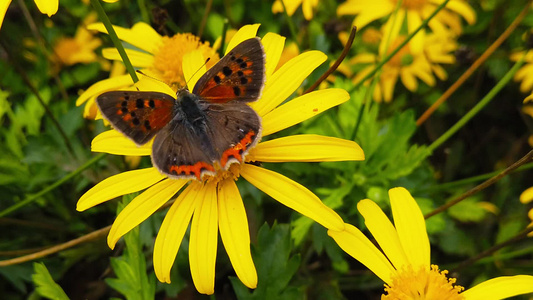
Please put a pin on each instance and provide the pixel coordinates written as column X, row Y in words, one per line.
column 292, row 5
column 215, row 204
column 48, row 7
column 158, row 56
column 407, row 65
column 527, row 197
column 525, row 73
column 413, row 12
column 404, row 265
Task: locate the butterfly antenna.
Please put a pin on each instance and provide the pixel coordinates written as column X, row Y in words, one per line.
column 205, row 63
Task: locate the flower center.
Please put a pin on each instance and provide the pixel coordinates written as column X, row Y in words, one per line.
column 422, row 284
column 65, row 49
column 403, row 57
column 412, row 4
column 168, row 58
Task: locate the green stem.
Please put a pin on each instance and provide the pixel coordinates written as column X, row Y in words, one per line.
column 223, row 38
column 144, row 12
column 458, row 183
column 114, row 38
column 443, row 138
column 51, row 187
column 292, row 28
column 388, row 57
column 409, row 37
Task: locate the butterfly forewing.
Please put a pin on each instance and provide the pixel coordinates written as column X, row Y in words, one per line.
column 138, row 115
column 238, row 76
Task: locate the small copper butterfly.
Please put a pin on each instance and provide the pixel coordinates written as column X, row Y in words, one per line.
column 200, row 132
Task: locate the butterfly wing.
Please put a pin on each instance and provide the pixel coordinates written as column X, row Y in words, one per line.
column 239, row 75
column 182, row 152
column 138, row 115
column 232, row 129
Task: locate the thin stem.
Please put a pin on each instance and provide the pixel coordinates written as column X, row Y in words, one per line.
column 337, row 62
column 292, row 28
column 34, row 90
column 526, row 159
column 500, row 85
column 114, row 38
column 204, row 18
column 490, row 50
column 520, row 236
column 41, row 41
column 51, row 187
column 144, row 12
column 82, row 239
column 465, row 181
column 409, row 37
column 223, row 37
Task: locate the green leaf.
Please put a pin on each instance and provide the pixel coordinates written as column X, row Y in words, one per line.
column 468, row 210
column 275, row 267
column 132, row 279
column 45, row 284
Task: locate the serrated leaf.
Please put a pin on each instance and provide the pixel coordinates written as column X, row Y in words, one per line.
column 45, row 284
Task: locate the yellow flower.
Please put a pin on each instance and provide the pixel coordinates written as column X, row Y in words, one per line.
column 161, row 57
column 215, row 204
column 408, row 65
column 292, row 5
column 525, row 73
column 48, row 7
column 413, row 12
column 527, row 197
column 79, row 49
column 404, row 265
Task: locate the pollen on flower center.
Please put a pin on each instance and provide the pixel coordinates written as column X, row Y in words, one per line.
column 168, row 58
column 403, row 57
column 422, row 284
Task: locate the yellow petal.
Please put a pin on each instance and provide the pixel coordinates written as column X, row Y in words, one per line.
column 500, row 288
column 409, row 80
column 384, row 232
column 411, row 228
column 287, row 79
column 463, row 9
column 110, row 1
column 203, row 240
column 307, row 8
column 4, row 4
column 141, row 35
column 168, row 240
column 105, row 85
column 302, row 108
column 244, row 33
column 48, row 7
column 273, row 44
column 358, row 246
column 138, row 59
column 416, row 45
column 234, row 231
column 193, row 66
column 152, row 84
column 143, row 206
column 118, row 185
column 293, row 195
column 527, row 195
column 308, row 148
column 114, row 142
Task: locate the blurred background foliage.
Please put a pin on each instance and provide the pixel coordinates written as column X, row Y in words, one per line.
column 44, row 170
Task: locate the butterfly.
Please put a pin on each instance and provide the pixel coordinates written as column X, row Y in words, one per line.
column 201, row 132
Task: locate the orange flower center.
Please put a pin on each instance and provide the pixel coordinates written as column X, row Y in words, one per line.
column 168, row 58
column 403, row 57
column 412, row 4
column 422, row 284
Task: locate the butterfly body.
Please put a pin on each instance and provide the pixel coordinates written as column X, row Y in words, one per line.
column 201, row 132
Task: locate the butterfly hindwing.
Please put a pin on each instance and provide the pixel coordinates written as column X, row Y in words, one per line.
column 182, row 152
column 238, row 76
column 233, row 129
column 138, row 115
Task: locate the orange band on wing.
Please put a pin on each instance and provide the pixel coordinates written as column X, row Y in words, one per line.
column 195, row 169
column 237, row 150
